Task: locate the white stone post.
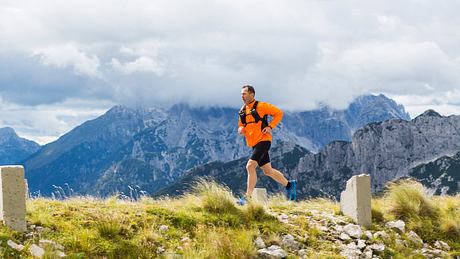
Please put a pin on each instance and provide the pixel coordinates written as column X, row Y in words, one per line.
column 355, row 201
column 259, row 195
column 26, row 187
column 12, row 197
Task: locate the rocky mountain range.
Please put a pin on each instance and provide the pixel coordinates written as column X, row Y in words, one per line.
column 13, row 148
column 386, row 150
column 151, row 148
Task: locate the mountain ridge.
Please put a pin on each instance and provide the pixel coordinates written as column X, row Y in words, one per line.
column 13, row 148
column 163, row 144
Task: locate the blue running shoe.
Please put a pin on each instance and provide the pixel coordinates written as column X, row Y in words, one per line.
column 241, row 201
column 292, row 190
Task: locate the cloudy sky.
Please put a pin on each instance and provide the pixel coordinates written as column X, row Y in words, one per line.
column 64, row 62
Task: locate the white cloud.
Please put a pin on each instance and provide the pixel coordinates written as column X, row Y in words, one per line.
column 140, row 65
column 296, row 53
column 446, row 103
column 69, row 55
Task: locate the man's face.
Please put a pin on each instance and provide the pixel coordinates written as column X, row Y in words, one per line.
column 246, row 96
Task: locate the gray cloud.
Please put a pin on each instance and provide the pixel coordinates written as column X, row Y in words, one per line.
column 296, row 53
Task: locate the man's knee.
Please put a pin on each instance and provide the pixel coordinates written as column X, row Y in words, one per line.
column 268, row 170
column 251, row 165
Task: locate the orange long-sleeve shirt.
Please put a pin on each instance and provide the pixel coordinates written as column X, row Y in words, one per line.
column 253, row 131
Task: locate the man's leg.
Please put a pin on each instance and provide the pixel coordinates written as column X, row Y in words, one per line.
column 252, row 176
column 274, row 174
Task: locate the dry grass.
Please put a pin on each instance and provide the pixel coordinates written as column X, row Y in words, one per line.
column 207, row 224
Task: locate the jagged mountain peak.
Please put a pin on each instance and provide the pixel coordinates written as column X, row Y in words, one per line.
column 430, row 113
column 13, row 148
column 7, row 133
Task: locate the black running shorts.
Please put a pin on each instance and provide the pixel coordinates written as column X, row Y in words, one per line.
column 260, row 153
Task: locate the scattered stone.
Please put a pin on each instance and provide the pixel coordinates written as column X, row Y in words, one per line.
column 160, row 250
column 398, row 225
column 415, row 239
column 437, row 252
column 283, row 218
column 185, row 239
column 339, row 229
column 272, row 252
column 353, row 230
column 32, row 227
column 344, row 237
column 39, row 229
column 367, row 254
column 15, row 246
column 350, row 251
column 361, row 244
column 138, row 214
column 37, row 251
column 259, row 243
column 60, row 254
column 289, row 242
column 442, row 245
column 377, row 248
column 368, row 235
column 425, row 251
column 302, row 253
column 163, row 228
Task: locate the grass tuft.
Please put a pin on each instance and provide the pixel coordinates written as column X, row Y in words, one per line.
column 215, row 198
column 408, row 201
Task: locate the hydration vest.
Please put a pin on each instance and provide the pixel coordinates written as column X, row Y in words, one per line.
column 254, row 114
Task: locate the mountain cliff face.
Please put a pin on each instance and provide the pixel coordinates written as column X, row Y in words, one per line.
column 151, row 148
column 325, row 125
column 13, row 148
column 386, row 150
column 441, row 176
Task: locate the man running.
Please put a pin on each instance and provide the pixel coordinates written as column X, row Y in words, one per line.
column 253, row 124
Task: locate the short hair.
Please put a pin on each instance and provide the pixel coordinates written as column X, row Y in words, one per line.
column 250, row 89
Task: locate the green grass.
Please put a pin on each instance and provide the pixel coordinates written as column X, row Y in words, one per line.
column 207, row 224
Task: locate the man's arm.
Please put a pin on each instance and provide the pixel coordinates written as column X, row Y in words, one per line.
column 240, row 127
column 274, row 111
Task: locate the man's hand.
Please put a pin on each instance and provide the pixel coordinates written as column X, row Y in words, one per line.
column 267, row 130
column 241, row 130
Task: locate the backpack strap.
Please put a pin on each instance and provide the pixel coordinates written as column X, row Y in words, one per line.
column 242, row 115
column 254, row 114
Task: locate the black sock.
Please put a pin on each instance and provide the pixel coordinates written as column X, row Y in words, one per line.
column 288, row 185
